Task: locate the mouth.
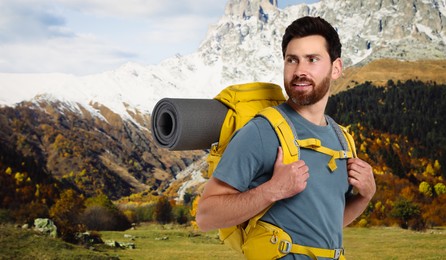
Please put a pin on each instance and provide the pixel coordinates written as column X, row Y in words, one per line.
column 302, row 84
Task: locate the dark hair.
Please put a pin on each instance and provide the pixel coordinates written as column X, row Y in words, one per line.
column 307, row 26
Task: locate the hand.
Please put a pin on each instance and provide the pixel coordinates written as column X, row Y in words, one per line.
column 288, row 179
column 360, row 176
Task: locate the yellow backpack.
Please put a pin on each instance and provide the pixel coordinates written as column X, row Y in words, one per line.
column 244, row 102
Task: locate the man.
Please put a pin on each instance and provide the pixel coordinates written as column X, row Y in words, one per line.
column 311, row 203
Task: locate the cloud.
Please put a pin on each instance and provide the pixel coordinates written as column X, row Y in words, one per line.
column 21, row 22
column 91, row 36
column 142, row 8
column 82, row 55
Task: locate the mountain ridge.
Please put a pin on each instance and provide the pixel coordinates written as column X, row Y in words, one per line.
column 101, row 123
column 244, row 46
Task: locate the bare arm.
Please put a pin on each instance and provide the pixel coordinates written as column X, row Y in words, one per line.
column 223, row 206
column 360, row 176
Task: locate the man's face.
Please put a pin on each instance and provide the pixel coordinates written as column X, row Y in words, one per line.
column 308, row 70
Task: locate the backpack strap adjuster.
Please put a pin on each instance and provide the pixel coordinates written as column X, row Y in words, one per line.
column 285, row 247
column 338, row 253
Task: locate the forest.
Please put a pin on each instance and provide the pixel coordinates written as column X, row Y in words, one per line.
column 398, row 129
column 413, row 109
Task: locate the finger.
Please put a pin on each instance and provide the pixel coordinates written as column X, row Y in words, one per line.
column 358, row 162
column 304, row 168
column 354, row 182
column 355, row 166
column 305, row 176
column 279, row 157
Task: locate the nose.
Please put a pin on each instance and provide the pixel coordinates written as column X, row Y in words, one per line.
column 300, row 70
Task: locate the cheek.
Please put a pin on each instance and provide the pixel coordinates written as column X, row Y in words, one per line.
column 288, row 74
column 322, row 74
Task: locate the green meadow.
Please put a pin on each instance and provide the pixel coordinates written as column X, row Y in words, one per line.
column 153, row 241
column 172, row 242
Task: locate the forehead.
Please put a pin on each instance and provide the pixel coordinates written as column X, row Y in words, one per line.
column 313, row 44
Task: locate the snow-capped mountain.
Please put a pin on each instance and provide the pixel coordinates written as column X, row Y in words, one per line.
column 245, row 46
column 76, row 127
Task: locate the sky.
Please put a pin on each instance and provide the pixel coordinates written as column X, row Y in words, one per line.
column 82, row 37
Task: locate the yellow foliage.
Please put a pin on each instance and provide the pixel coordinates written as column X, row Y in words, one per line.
column 378, row 205
column 194, row 225
column 425, row 189
column 363, row 222
column 361, row 136
column 19, row 177
column 429, row 170
column 8, row 171
column 193, row 211
column 437, row 166
column 378, row 141
column 440, row 189
column 363, row 147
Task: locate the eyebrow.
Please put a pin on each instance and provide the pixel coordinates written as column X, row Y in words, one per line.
column 311, row 55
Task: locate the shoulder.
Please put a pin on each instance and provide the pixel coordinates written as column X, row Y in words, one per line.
column 257, row 127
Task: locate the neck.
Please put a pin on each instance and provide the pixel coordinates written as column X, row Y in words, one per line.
column 314, row 113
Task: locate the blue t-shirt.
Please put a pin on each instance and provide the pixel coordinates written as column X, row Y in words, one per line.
column 313, row 217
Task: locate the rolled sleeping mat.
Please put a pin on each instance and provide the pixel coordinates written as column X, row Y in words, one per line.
column 187, row 124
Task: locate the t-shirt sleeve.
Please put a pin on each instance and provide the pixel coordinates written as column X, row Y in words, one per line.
column 242, row 160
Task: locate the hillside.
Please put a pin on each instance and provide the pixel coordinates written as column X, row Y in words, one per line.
column 399, row 130
column 93, row 156
column 380, row 71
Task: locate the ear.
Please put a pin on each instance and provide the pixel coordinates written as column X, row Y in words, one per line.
column 336, row 70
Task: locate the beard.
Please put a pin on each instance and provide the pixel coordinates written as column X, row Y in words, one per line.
column 306, row 98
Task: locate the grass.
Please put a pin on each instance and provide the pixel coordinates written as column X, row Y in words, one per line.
column 171, row 242
column 175, row 242
column 394, row 243
column 17, row 243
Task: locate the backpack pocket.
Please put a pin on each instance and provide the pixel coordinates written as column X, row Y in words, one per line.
column 266, row 241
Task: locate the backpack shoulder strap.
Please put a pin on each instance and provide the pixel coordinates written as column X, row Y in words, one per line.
column 346, row 139
column 350, row 140
column 285, row 132
column 287, row 136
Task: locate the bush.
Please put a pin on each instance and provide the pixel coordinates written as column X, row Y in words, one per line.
column 181, row 214
column 144, row 213
column 408, row 214
column 163, row 211
column 101, row 218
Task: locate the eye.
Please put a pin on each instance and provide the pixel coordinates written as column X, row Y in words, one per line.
column 313, row 59
column 291, row 60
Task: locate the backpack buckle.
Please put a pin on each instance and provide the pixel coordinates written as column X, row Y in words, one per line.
column 343, row 154
column 338, row 253
column 285, row 247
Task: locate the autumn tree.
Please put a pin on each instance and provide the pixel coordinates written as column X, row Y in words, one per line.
column 406, row 211
column 66, row 214
column 163, row 211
